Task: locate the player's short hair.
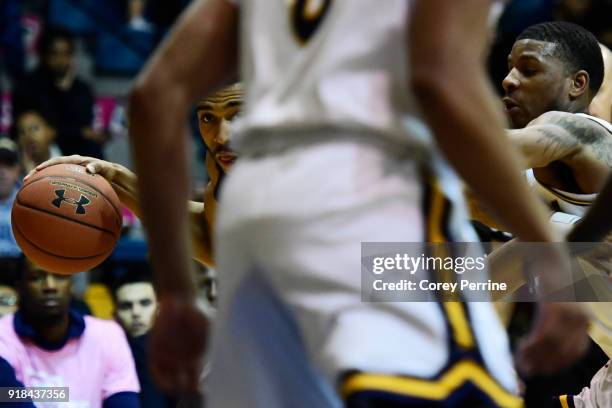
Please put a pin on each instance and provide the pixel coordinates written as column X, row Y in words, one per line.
column 576, row 47
column 52, row 34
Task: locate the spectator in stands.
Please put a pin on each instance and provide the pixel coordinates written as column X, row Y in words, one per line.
column 9, row 185
column 45, row 343
column 135, row 310
column 11, row 42
column 8, row 300
column 67, row 99
column 36, row 135
column 135, row 303
column 8, row 294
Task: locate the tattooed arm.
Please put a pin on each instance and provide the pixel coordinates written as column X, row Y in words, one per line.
column 544, row 140
column 555, row 136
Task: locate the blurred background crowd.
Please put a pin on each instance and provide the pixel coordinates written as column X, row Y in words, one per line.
column 66, row 68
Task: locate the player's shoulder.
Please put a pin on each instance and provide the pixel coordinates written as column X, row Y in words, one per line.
column 554, row 118
column 579, row 125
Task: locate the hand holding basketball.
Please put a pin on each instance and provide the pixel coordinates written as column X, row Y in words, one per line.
column 106, row 169
column 65, row 219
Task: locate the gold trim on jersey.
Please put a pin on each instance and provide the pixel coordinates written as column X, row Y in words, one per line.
column 435, row 214
column 312, row 12
column 438, row 211
column 306, row 19
column 460, row 324
column 436, row 390
column 563, row 401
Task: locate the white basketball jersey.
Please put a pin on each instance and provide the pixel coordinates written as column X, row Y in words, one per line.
column 321, row 64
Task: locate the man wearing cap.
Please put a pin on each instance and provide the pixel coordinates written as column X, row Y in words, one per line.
column 9, row 185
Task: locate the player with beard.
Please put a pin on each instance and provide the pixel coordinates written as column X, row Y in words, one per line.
column 556, row 69
column 214, row 114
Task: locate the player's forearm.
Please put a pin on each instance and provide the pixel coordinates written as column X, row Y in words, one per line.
column 525, row 143
column 164, row 91
column 597, row 223
column 163, row 184
column 542, row 144
column 125, row 184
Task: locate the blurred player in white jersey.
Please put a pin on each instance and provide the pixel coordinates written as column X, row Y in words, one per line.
column 327, row 163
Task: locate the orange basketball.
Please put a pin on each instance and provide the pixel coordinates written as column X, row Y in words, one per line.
column 66, row 220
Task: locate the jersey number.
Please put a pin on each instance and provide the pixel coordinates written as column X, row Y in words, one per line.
column 306, row 16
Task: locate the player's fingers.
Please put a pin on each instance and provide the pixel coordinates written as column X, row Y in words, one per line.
column 572, row 349
column 526, row 360
column 47, row 163
column 548, row 353
column 94, row 167
column 30, row 174
column 534, row 351
column 74, row 159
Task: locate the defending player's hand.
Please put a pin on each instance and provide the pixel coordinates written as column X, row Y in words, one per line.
column 558, row 339
column 178, row 345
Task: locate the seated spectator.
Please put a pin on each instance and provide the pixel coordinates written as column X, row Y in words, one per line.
column 36, row 136
column 68, row 100
column 135, row 303
column 45, row 343
column 135, row 310
column 8, row 300
column 8, row 294
column 9, row 185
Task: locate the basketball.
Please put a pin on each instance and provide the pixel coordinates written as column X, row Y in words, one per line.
column 66, row 220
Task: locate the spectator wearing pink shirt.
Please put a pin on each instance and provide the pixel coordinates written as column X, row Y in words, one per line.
column 45, row 343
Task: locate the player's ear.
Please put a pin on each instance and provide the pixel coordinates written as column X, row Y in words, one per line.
column 579, row 85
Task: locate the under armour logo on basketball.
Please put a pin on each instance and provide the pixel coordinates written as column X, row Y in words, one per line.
column 80, row 204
